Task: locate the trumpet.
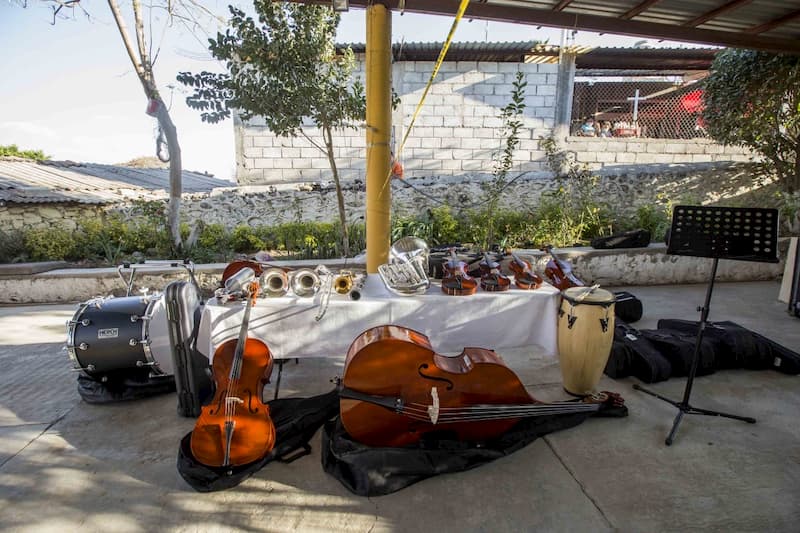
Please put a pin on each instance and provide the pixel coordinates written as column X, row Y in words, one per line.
column 343, row 283
column 275, row 282
column 305, row 282
column 358, row 284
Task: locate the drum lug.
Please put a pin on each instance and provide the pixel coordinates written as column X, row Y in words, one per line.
column 142, row 363
column 85, row 322
column 83, row 346
column 88, row 368
column 136, row 342
column 135, row 318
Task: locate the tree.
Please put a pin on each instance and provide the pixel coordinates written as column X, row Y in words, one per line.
column 753, row 99
column 286, row 69
column 186, row 12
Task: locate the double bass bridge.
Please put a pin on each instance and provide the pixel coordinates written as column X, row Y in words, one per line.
column 433, row 409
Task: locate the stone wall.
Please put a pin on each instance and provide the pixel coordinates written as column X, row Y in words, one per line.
column 456, row 132
column 29, row 216
column 624, row 187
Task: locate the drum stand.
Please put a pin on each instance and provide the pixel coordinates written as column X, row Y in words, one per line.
column 745, row 234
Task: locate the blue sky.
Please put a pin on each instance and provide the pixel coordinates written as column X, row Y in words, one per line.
column 69, row 88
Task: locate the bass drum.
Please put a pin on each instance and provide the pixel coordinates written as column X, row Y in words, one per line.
column 112, row 335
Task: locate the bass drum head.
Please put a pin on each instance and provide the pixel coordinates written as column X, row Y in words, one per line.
column 102, row 336
column 157, row 333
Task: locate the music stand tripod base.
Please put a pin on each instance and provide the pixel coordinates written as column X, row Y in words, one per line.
column 736, row 233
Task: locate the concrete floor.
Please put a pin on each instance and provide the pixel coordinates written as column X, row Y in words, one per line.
column 66, row 465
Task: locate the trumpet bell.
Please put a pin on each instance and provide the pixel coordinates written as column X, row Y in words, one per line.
column 275, row 282
column 343, row 283
column 305, row 282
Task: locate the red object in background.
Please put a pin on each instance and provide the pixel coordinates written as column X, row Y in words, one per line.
column 692, row 102
column 152, row 107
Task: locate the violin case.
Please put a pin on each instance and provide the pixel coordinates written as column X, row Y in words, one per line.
column 193, row 382
column 632, row 354
column 637, row 238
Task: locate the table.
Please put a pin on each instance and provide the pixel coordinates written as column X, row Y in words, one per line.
column 289, row 327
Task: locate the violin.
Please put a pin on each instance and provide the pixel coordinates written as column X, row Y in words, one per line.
column 524, row 276
column 492, row 279
column 456, row 281
column 235, row 427
column 396, row 390
column 560, row 272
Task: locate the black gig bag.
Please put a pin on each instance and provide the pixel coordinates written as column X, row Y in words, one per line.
column 193, row 381
column 738, row 347
column 678, row 348
column 632, row 354
column 627, row 307
column 296, row 421
column 638, row 238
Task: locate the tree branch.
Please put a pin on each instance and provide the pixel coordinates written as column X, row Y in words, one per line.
column 126, row 40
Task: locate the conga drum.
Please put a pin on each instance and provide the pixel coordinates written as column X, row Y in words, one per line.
column 585, row 334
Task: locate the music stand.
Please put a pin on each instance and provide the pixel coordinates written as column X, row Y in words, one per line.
column 737, row 233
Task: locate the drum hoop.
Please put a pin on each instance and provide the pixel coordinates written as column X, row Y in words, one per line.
column 574, row 303
column 72, row 326
column 148, row 352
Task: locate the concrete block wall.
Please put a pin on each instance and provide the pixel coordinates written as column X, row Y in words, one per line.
column 457, row 130
column 599, row 153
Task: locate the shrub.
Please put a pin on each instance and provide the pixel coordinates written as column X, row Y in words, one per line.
column 12, row 246
column 245, row 240
column 53, row 244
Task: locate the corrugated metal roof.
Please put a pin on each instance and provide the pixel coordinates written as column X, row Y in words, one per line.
column 26, row 181
column 535, row 52
column 772, row 25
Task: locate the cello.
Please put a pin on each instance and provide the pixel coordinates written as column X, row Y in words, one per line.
column 396, row 390
column 235, row 428
column 456, row 281
column 560, row 272
column 492, row 280
column 524, row 276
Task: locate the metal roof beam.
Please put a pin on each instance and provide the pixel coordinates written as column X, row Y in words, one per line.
column 773, row 23
column 562, row 4
column 601, row 24
column 636, row 10
column 714, row 13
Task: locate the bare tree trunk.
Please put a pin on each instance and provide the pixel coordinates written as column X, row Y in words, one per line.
column 326, row 133
column 144, row 70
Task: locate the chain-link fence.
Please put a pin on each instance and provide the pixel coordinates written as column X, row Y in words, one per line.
column 656, row 107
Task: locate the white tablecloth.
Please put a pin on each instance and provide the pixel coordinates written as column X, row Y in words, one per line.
column 288, row 326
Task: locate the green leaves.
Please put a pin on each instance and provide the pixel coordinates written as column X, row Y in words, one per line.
column 283, row 67
column 752, row 99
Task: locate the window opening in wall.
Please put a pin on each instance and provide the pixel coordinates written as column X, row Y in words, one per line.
column 661, row 107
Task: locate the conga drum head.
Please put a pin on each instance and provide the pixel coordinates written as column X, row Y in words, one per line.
column 585, row 335
column 588, row 296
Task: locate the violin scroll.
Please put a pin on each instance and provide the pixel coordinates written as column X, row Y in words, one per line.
column 492, row 280
column 524, row 275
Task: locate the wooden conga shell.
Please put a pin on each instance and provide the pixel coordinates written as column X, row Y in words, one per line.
column 585, row 334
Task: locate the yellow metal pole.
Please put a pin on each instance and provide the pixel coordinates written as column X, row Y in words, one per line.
column 379, row 123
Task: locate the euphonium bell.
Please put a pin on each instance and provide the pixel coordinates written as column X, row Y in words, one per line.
column 343, row 283
column 305, row 282
column 275, row 282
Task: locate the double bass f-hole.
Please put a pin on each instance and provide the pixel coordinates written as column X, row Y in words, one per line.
column 425, row 366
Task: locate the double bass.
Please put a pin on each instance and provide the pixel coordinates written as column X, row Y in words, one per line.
column 524, row 276
column 397, row 390
column 235, row 427
column 560, row 272
column 492, row 280
column 456, row 281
